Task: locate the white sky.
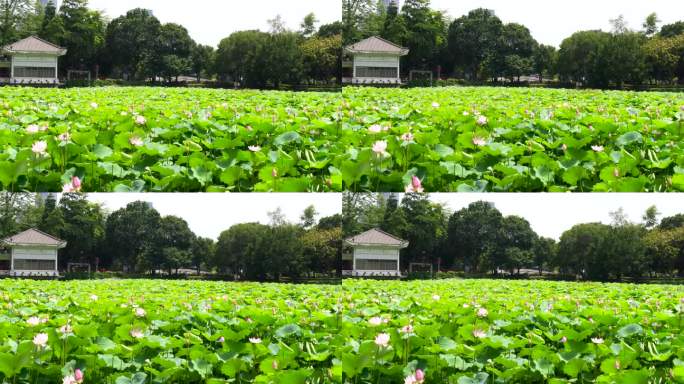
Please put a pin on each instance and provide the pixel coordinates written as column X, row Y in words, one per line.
column 209, row 214
column 552, row 21
column 209, row 21
column 552, row 214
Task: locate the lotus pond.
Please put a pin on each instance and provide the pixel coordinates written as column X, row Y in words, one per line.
column 513, row 139
column 495, row 331
column 125, row 331
column 166, row 139
column 365, row 139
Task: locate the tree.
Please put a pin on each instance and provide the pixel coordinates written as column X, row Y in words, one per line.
column 471, row 39
column 330, row 222
column 354, row 13
column 664, row 58
column 174, row 47
column 202, row 58
column 473, row 234
column 651, row 24
column 579, row 251
column 329, row 30
column 672, row 222
column 202, row 253
column 52, row 220
column 664, row 249
column 83, row 229
column 672, row 30
column 173, row 241
column 544, row 59
column 131, row 233
column 320, row 56
column 425, row 228
column 581, row 58
column 650, row 217
column 425, row 34
column 241, row 57
column 13, row 13
column 83, row 36
column 131, row 41
column 320, row 248
column 308, row 26
column 52, row 26
column 544, row 251
column 308, row 217
column 239, row 248
column 17, row 212
column 284, row 63
column 516, row 241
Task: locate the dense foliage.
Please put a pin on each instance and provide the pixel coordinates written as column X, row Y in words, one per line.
column 137, row 239
column 123, row 331
column 147, row 139
column 137, row 46
column 489, row 139
column 479, row 240
column 479, row 331
column 479, row 46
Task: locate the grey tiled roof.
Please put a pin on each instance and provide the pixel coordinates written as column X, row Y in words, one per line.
column 34, row 44
column 376, row 44
column 376, row 237
column 34, row 237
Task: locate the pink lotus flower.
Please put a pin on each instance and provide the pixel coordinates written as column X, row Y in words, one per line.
column 407, row 137
column 479, row 141
column 39, row 147
column 375, row 128
column 255, row 340
column 136, row 333
column 466, row 113
column 65, row 329
column 73, row 186
column 94, row 105
column 274, row 365
column 40, row 340
column 420, row 375
column 382, row 340
column 482, row 120
column 416, row 186
column 597, row 148
column 64, row 137
column 597, row 340
column 410, row 379
column 479, row 334
column 140, row 120
column 93, row 297
column 254, row 148
column 380, row 147
column 140, row 312
column 435, row 105
column 435, row 297
column 564, row 147
column 221, row 339
column 69, row 379
column 564, row 340
column 78, row 375
column 482, row 312
column 375, row 321
column 33, row 128
column 33, row 321
column 274, row 173
column 136, row 141
column 407, row 329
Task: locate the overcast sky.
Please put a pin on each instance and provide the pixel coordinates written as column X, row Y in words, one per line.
column 552, row 214
column 552, row 21
column 209, row 214
column 209, row 21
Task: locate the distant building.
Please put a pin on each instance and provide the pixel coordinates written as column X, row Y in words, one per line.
column 374, row 254
column 31, row 253
column 45, row 3
column 387, row 3
column 30, row 61
column 373, row 61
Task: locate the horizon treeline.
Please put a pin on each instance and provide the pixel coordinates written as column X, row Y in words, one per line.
column 137, row 239
column 479, row 239
column 137, row 46
column 479, row 46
